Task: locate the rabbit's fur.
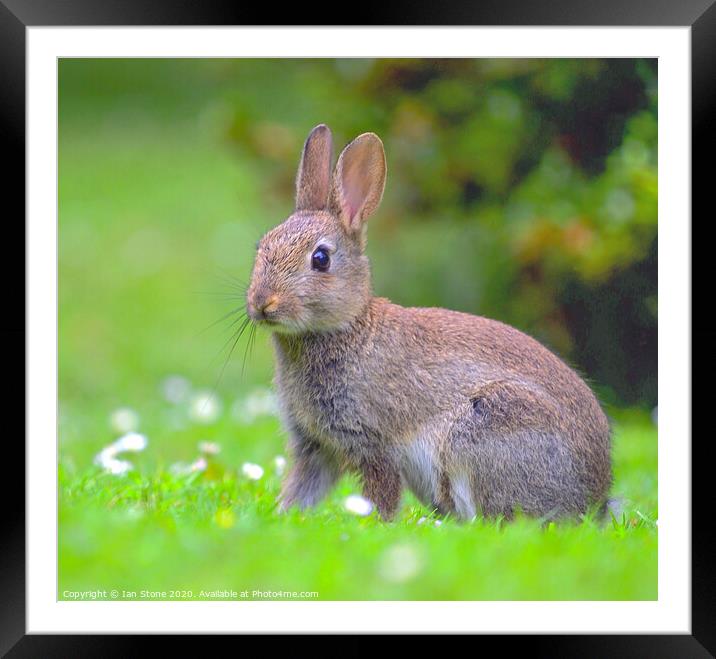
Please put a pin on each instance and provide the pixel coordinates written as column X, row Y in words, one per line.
column 475, row 417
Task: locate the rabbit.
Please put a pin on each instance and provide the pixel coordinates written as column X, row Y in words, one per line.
column 470, row 414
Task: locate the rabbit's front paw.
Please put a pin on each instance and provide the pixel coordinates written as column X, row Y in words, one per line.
column 382, row 486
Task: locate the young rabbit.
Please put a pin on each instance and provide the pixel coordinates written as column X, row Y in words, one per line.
column 473, row 416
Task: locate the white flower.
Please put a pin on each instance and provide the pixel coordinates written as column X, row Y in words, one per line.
column 422, row 520
column 124, row 420
column 279, row 464
column 117, row 467
column 132, row 441
column 175, row 389
column 107, row 460
column 182, row 469
column 400, row 563
column 209, row 448
column 438, row 522
column 252, row 471
column 358, row 505
column 205, row 407
column 107, row 457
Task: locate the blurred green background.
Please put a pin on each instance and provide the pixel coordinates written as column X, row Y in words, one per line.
column 520, row 189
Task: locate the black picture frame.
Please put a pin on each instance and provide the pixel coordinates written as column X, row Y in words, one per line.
column 17, row 15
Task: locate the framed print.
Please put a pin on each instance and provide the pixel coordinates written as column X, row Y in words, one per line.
column 359, row 329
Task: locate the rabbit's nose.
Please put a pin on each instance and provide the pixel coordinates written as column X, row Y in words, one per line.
column 269, row 305
column 262, row 306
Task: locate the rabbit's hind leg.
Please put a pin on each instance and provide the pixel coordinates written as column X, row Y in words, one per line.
column 504, row 454
column 435, row 473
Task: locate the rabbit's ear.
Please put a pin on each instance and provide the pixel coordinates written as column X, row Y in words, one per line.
column 359, row 181
column 314, row 173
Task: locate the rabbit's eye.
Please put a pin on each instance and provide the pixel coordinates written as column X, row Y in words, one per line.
column 320, row 259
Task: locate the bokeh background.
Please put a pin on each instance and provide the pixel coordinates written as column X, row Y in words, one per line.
column 520, row 189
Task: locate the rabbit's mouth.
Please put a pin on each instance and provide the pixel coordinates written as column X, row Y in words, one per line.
column 282, row 325
column 262, row 320
column 269, row 322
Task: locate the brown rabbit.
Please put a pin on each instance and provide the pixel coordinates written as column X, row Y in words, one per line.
column 473, row 416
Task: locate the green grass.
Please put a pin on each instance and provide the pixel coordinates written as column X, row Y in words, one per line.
column 218, row 530
column 150, row 215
